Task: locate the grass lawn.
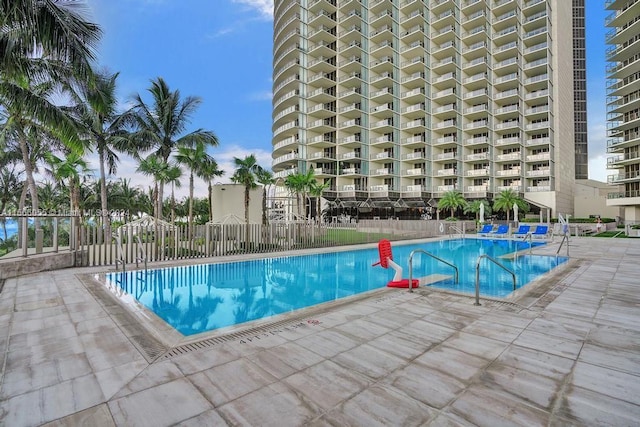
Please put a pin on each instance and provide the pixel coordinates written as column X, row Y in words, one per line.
column 612, row 233
column 346, row 237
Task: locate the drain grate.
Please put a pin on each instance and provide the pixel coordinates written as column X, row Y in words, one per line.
column 248, row 335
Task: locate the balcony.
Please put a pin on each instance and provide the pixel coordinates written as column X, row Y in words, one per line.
column 478, row 172
column 414, row 140
column 351, row 155
column 414, row 172
column 413, row 124
column 447, row 172
column 538, row 141
column 507, row 141
column 509, row 157
column 382, row 172
column 445, row 140
column 445, row 156
column 540, row 125
column 321, row 141
column 381, row 156
column 476, row 141
column 445, row 188
column 538, row 157
column 417, row 155
column 350, row 171
column 284, row 159
column 508, row 172
column 539, row 172
column 623, row 177
column 476, row 157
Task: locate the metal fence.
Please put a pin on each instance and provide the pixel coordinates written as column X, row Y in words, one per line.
column 93, row 246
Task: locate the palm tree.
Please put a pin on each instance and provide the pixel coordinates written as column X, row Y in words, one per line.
column 209, row 171
column 71, row 168
column 505, row 201
column 55, row 30
column 9, row 192
column 96, row 111
column 44, row 42
column 174, row 173
column 265, row 178
column 299, row 184
column 160, row 126
column 452, row 200
column 192, row 158
column 125, row 197
column 474, row 208
column 25, row 133
column 316, row 189
column 245, row 174
column 154, row 166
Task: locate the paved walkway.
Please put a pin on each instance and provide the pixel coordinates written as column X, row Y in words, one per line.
column 567, row 354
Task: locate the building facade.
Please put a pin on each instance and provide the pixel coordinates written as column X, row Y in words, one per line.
column 397, row 102
column 580, row 91
column 623, row 105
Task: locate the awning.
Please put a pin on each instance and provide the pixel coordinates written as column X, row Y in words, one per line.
column 415, row 203
column 382, row 203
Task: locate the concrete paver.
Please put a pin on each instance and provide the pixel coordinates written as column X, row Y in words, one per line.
column 565, row 353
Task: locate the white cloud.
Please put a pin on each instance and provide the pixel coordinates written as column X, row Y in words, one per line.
column 221, row 32
column 263, row 7
column 598, row 168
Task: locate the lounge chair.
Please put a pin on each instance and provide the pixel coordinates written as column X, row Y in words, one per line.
column 523, row 230
column 502, row 230
column 541, row 231
column 486, row 229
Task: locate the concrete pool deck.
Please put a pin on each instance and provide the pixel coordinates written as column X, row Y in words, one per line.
column 567, row 353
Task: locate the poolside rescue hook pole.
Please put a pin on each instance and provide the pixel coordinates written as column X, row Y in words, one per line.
column 478, row 281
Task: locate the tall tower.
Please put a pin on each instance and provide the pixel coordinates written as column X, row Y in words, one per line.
column 580, row 91
column 623, row 105
column 394, row 103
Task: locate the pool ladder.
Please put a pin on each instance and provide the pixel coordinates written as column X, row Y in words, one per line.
column 432, row 256
column 526, row 236
column 493, row 260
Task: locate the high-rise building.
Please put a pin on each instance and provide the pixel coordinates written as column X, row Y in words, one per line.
column 580, row 91
column 623, row 105
column 396, row 102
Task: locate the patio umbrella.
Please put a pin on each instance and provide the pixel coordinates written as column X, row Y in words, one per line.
column 481, row 212
column 515, row 212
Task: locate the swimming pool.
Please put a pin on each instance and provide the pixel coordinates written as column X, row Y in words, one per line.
column 198, row 298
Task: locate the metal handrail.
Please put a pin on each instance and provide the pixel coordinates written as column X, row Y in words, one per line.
column 120, row 250
column 142, row 254
column 513, row 276
column 526, row 236
column 458, row 230
column 565, row 237
column 432, row 256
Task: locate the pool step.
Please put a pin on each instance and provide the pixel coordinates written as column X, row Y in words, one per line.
column 433, row 278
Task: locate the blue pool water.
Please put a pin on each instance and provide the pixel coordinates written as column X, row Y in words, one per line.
column 200, row 298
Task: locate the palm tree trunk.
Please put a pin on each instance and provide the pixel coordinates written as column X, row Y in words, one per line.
column 210, row 202
column 106, row 218
column 28, row 170
column 246, row 216
column 191, row 210
column 160, row 198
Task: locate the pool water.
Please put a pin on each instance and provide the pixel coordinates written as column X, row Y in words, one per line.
column 199, row 298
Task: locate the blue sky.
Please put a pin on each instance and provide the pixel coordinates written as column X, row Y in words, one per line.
column 220, row 50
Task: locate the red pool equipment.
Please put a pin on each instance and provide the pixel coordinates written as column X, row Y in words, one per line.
column 404, row 283
column 386, row 260
column 385, row 253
